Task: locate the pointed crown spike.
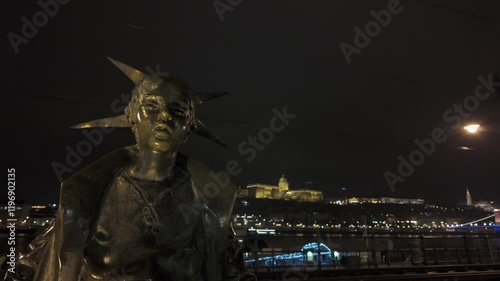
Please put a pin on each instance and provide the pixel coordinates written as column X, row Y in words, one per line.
column 135, row 75
column 200, row 98
column 116, row 121
column 202, row 130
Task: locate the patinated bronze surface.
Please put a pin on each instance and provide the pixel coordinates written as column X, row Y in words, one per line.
column 139, row 213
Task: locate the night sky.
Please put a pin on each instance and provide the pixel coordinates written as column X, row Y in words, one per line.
column 352, row 120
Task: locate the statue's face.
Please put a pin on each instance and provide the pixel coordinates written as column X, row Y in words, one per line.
column 163, row 119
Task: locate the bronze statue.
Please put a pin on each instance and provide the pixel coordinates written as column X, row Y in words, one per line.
column 137, row 214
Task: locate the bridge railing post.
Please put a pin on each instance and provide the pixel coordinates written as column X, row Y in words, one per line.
column 488, row 247
column 467, row 251
column 373, row 251
column 256, row 252
column 319, row 254
column 273, row 259
column 445, row 249
column 479, row 255
column 424, row 252
column 435, row 256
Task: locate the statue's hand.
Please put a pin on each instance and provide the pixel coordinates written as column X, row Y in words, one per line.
column 19, row 277
column 247, row 276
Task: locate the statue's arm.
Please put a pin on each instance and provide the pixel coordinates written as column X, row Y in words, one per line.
column 236, row 263
column 28, row 261
column 60, row 244
column 212, row 257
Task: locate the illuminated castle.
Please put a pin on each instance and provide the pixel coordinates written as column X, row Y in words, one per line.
column 281, row 191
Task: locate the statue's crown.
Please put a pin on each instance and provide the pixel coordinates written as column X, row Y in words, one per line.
column 137, row 76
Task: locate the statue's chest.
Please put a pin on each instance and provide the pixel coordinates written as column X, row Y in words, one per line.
column 155, row 216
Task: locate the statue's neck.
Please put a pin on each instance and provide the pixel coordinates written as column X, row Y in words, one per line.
column 153, row 166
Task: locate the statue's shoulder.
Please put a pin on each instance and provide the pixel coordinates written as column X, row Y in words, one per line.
column 103, row 167
column 205, row 178
column 82, row 192
column 215, row 189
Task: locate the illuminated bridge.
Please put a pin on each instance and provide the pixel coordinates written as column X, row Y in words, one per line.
column 308, row 255
column 474, row 224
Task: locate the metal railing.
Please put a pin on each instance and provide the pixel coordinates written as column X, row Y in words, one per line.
column 334, row 253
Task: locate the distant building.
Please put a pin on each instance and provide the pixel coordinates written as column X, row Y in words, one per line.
column 383, row 200
column 484, row 205
column 468, row 197
column 42, row 216
column 402, row 201
column 21, row 210
column 362, row 200
column 28, row 215
column 281, row 191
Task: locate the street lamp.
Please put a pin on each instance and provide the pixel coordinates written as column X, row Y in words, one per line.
column 472, row 128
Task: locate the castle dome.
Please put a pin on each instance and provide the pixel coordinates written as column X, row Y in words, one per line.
column 283, row 183
column 283, row 179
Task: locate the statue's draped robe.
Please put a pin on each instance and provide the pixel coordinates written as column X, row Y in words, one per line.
column 59, row 254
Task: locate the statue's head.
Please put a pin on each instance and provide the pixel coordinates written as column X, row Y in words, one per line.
column 161, row 111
